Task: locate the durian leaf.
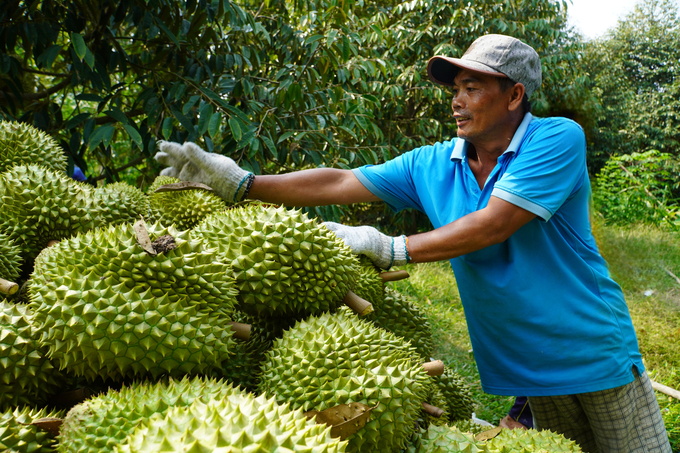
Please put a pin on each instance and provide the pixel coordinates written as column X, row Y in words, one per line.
column 345, row 419
column 488, row 434
column 48, row 424
column 143, row 238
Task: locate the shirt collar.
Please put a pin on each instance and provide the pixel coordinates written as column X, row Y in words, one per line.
column 461, row 146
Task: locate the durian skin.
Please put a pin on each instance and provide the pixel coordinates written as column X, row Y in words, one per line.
column 102, row 422
column 40, row 205
column 530, row 441
column 401, row 317
column 457, row 394
column 10, row 259
column 284, row 263
column 184, row 208
column 21, row 144
column 239, row 423
column 335, row 359
column 445, row 439
column 17, row 435
column 124, row 203
column 106, row 308
column 26, row 375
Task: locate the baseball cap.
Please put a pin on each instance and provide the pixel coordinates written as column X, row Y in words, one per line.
column 496, row 55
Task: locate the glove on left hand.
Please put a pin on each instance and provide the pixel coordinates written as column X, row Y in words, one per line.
column 385, row 251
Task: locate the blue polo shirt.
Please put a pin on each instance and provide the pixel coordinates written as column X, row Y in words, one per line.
column 544, row 315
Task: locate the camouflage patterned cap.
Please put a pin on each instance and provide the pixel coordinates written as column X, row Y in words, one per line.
column 496, row 55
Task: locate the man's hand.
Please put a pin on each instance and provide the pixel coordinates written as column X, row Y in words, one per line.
column 189, row 162
column 383, row 250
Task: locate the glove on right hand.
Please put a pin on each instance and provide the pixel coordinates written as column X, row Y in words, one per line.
column 189, row 162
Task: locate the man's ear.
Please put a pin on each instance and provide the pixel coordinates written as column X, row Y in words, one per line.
column 516, row 96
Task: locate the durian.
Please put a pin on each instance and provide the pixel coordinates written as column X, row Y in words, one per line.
column 334, row 359
column 445, row 439
column 26, row 375
column 104, row 421
column 10, row 259
column 457, row 394
column 17, row 435
column 105, row 307
column 284, row 263
column 124, row 203
column 22, row 144
column 42, row 205
column 530, row 441
column 238, row 423
column 396, row 313
column 184, row 208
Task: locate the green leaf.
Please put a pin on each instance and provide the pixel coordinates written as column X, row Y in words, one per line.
column 89, row 97
column 79, row 45
column 46, row 59
column 205, row 115
column 313, row 39
column 89, row 58
column 76, row 120
column 183, row 120
column 235, row 129
column 167, row 128
column 134, row 135
column 117, row 114
column 167, row 31
column 214, row 126
column 101, row 135
column 284, row 137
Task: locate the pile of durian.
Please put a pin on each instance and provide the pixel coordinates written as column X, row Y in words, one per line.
column 170, row 321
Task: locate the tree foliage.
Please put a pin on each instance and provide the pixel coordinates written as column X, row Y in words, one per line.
column 277, row 85
column 635, row 71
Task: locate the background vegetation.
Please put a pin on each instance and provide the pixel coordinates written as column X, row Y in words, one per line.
column 280, row 85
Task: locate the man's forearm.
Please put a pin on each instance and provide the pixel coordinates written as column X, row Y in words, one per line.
column 315, row 187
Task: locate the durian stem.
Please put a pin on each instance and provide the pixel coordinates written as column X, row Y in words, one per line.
column 52, row 242
column 394, row 276
column 184, row 185
column 361, row 306
column 432, row 410
column 666, row 390
column 434, row 368
column 241, row 331
column 7, row 287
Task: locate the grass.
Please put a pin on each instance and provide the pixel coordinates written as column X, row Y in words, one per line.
column 640, row 259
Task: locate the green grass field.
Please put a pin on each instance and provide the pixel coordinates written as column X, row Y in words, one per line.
column 640, row 259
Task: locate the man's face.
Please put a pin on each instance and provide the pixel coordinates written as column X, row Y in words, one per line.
column 479, row 105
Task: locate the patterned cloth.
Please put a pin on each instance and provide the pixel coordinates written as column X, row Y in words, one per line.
column 624, row 419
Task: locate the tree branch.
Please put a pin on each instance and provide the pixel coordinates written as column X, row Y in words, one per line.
column 39, row 95
column 132, row 163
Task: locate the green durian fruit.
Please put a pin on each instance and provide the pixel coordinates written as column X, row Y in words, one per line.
column 369, row 285
column 22, row 144
column 40, row 205
column 238, row 423
column 124, row 203
column 104, row 421
column 10, row 260
column 17, row 435
column 445, row 439
column 184, row 208
column 397, row 314
column 470, row 427
column 436, row 398
column 457, row 394
column 334, row 359
column 530, row 441
column 105, row 307
column 26, row 376
column 284, row 262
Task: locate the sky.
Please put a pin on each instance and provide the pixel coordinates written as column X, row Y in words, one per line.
column 595, row 17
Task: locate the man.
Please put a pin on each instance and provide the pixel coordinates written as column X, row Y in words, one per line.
column 509, row 200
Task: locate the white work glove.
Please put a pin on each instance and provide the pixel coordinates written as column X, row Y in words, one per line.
column 189, row 162
column 385, row 251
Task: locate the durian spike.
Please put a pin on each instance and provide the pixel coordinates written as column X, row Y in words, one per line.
column 241, row 331
column 361, row 306
column 7, row 287
column 434, row 368
column 185, row 185
column 432, row 410
column 393, row 276
column 52, row 242
column 143, row 238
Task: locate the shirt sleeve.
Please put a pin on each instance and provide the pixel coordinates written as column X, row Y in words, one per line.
column 394, row 181
column 549, row 167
